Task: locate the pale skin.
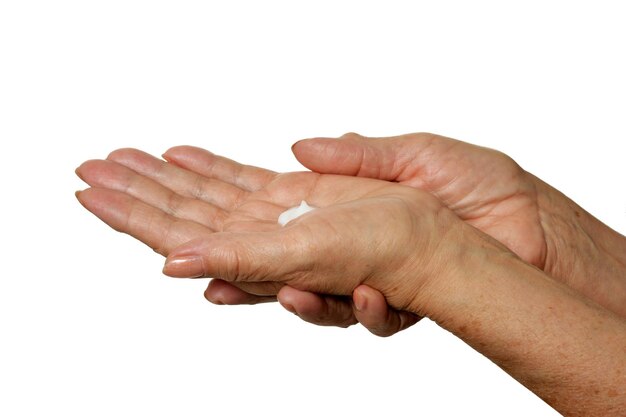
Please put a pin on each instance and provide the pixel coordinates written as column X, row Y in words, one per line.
column 432, row 257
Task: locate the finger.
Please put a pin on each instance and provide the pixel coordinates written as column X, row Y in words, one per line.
column 317, row 309
column 373, row 312
column 111, row 175
column 222, row 292
column 279, row 255
column 261, row 289
column 182, row 181
column 124, row 213
column 302, row 253
column 352, row 154
column 209, row 165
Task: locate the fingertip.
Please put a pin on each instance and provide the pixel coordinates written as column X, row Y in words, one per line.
column 115, row 154
column 304, row 143
column 176, row 154
column 330, row 155
column 359, row 298
column 83, row 169
column 287, row 297
column 83, row 197
column 295, row 145
column 286, row 293
column 372, row 311
column 179, row 148
column 211, row 296
column 290, row 308
column 370, row 300
column 376, row 315
column 78, row 171
column 181, row 151
column 171, row 153
column 307, row 152
column 317, row 309
column 216, row 292
column 171, row 156
column 190, row 266
column 220, row 292
column 305, row 304
column 122, row 154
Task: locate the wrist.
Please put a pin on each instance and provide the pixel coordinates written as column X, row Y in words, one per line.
column 467, row 257
column 581, row 251
column 535, row 328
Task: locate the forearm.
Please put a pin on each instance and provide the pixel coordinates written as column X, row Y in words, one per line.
column 566, row 349
column 582, row 252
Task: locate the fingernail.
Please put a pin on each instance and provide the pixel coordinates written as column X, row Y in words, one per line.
column 360, row 302
column 184, row 267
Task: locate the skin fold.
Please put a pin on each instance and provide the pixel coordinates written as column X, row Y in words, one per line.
column 403, row 230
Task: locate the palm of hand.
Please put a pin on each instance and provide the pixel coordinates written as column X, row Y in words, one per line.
column 197, row 194
column 165, row 205
column 491, row 192
column 484, row 187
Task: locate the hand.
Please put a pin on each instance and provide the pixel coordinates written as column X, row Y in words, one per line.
column 400, row 241
column 482, row 186
column 396, row 239
column 164, row 205
column 490, row 191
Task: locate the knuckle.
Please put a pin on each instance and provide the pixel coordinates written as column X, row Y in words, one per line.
column 174, row 204
column 198, row 188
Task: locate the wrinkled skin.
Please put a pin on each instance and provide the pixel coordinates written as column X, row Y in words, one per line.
column 484, row 187
column 167, row 213
column 433, row 163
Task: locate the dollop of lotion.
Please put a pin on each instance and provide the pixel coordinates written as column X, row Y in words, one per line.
column 290, row 214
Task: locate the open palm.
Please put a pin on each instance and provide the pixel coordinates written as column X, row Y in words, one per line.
column 197, row 194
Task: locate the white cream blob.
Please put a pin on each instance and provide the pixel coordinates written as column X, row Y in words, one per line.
column 290, row 214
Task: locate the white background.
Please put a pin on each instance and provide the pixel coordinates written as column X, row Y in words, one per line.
column 90, row 327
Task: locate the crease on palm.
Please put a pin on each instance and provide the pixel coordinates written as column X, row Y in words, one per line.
column 483, row 187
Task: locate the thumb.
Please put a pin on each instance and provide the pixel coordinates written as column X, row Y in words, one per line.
column 352, row 154
column 245, row 257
